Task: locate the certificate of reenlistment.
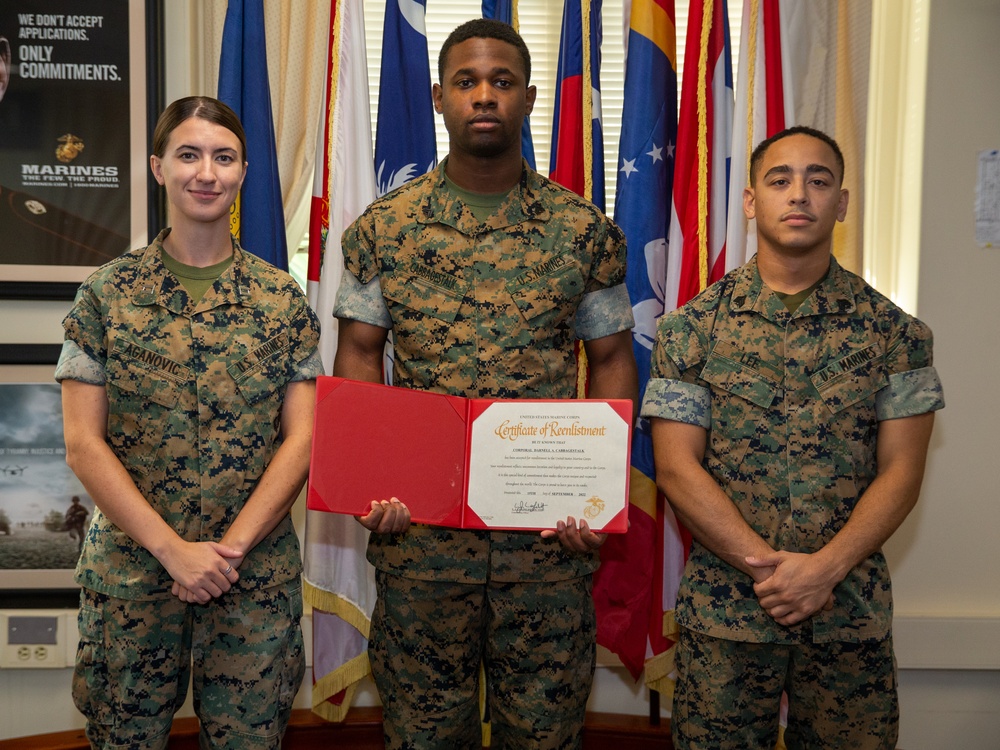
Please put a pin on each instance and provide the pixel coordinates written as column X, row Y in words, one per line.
column 470, row 463
column 533, row 463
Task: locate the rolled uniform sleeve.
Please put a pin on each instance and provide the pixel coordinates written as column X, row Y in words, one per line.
column 604, row 312
column 608, row 263
column 914, row 386
column 75, row 364
column 672, row 392
column 361, row 302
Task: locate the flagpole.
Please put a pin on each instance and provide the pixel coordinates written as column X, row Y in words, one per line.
column 706, row 31
column 588, row 105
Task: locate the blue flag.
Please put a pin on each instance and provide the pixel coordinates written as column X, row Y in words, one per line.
column 405, row 146
column 629, row 586
column 645, row 178
column 243, row 85
column 503, row 10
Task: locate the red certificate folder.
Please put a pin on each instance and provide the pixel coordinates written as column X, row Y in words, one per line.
column 374, row 442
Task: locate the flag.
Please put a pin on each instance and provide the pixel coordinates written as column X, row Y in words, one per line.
column 506, row 11
column 578, row 152
column 761, row 111
column 257, row 218
column 339, row 583
column 628, row 587
column 801, row 63
column 696, row 254
column 402, row 153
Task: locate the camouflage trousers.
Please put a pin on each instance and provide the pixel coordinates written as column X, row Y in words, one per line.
column 728, row 694
column 536, row 642
column 135, row 660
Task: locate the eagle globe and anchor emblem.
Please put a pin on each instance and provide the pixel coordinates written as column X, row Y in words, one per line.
column 593, row 508
column 69, row 148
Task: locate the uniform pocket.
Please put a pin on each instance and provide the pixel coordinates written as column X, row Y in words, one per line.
column 741, row 396
column 142, row 389
column 853, row 378
column 264, row 371
column 549, row 292
column 91, row 691
column 427, row 291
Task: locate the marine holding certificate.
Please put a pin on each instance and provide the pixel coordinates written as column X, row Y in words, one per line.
column 487, row 274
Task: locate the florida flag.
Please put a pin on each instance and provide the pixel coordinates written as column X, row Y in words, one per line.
column 339, row 582
column 577, row 151
column 628, row 587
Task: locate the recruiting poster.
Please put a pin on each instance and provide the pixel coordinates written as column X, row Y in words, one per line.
column 65, row 136
column 44, row 510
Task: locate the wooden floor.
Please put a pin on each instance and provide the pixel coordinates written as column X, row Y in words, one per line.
column 362, row 730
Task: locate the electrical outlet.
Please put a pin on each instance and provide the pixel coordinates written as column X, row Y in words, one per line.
column 33, row 639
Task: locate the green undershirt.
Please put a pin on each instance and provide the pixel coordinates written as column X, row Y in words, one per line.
column 195, row 280
column 792, row 300
column 482, row 205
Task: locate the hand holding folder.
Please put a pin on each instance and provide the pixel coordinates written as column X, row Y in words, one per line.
column 470, row 463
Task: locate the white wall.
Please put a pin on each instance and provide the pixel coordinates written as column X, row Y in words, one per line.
column 944, row 559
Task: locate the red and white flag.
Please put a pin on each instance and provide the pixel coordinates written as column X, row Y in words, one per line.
column 801, row 63
column 339, row 582
column 696, row 250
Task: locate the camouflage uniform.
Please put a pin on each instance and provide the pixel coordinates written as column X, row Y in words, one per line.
column 195, row 391
column 792, row 403
column 484, row 309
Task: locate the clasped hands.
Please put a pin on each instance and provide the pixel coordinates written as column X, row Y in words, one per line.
column 202, row 571
column 792, row 586
column 393, row 517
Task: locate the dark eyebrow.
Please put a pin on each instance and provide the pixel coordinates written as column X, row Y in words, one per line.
column 819, row 169
column 810, row 169
column 500, row 71
column 189, row 147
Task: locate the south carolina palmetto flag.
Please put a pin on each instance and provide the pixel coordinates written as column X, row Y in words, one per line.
column 404, row 137
column 339, row 582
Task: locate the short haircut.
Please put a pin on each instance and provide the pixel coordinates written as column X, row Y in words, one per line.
column 485, row 28
column 202, row 107
column 758, row 153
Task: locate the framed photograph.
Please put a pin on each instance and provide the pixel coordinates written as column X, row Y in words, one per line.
column 80, row 86
column 44, row 510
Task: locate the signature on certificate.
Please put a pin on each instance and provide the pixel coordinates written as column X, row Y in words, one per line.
column 535, row 506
